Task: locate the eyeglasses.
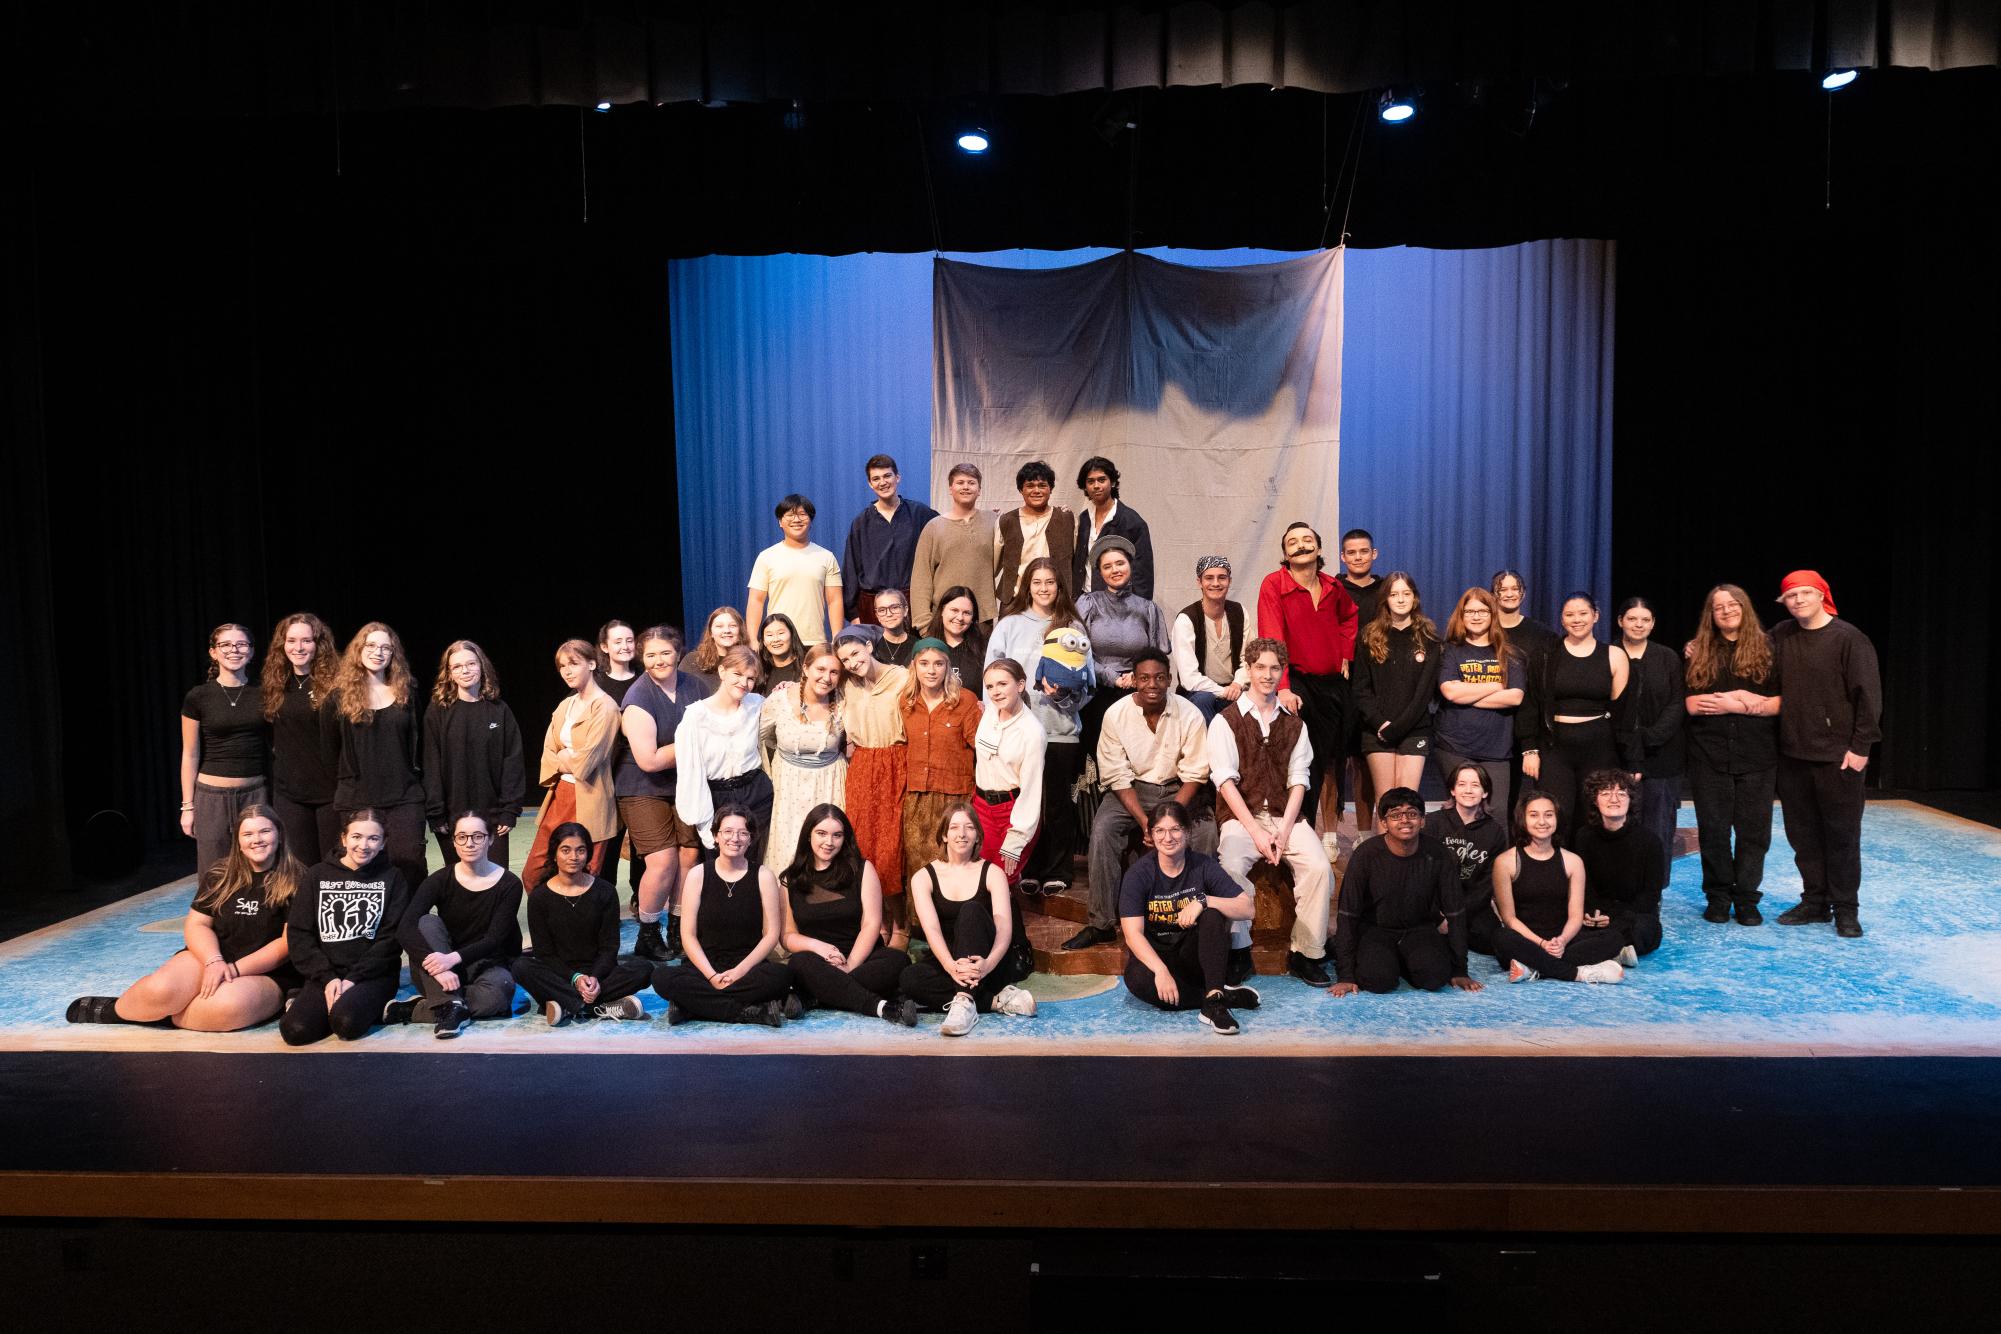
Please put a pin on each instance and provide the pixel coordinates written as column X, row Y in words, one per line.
column 467, row 840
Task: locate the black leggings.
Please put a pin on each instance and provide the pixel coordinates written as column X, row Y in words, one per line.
column 927, row 982
column 1576, row 751
column 1418, row 953
column 1196, row 957
column 551, row 982
column 860, row 990
column 312, row 830
column 404, row 830
column 1055, row 851
column 308, row 1020
column 1587, row 948
column 681, row 984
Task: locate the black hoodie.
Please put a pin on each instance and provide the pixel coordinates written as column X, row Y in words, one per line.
column 343, row 922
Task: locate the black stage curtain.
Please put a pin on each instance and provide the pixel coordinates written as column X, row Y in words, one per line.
column 231, row 58
column 262, row 397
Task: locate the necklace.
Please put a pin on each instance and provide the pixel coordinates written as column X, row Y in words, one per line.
column 226, row 695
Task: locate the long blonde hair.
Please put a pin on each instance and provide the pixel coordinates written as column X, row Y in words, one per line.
column 234, row 872
column 911, row 698
column 1711, row 654
column 352, row 683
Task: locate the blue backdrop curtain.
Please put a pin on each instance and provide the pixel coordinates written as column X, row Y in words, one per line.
column 1476, row 418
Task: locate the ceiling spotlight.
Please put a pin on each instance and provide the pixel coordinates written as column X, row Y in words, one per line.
column 1395, row 110
column 604, row 106
column 975, row 141
column 1840, row 78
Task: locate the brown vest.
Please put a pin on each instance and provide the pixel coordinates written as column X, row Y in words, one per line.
column 1233, row 612
column 1262, row 761
column 1062, row 538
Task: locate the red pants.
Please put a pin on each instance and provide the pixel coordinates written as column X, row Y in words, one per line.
column 557, row 808
column 875, row 808
column 993, row 829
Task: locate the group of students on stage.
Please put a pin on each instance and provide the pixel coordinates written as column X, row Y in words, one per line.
column 887, row 743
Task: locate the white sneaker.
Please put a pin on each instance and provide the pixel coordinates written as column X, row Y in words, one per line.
column 1629, row 957
column 1012, row 1000
column 1521, row 972
column 1608, row 971
column 960, row 1016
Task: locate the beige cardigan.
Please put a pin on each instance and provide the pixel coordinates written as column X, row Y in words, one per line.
column 592, row 738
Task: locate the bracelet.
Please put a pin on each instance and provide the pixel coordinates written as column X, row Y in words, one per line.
column 187, row 805
column 216, row 959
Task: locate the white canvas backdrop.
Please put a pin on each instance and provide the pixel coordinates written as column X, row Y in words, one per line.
column 1217, row 392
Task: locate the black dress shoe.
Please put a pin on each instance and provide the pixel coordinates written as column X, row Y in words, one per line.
column 1313, row 972
column 1748, row 915
column 1090, row 938
column 1804, row 913
column 1848, row 926
column 1717, row 911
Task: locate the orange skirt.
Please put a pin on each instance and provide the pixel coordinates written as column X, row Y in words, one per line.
column 875, row 809
column 559, row 806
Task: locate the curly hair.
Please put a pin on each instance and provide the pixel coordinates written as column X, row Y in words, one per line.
column 1710, row 654
column 277, row 676
column 445, row 691
column 352, row 682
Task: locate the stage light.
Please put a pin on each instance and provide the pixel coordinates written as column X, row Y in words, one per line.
column 1840, row 78
column 604, row 106
column 1394, row 110
column 974, row 141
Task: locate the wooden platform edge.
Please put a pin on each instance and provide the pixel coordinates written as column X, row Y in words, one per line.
column 1036, row 1205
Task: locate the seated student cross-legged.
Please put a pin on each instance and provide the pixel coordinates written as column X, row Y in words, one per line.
column 731, row 918
column 1539, row 895
column 1401, row 914
column 235, row 967
column 459, row 954
column 1154, row 747
column 341, row 930
column 1260, row 759
column 833, row 924
column 572, row 968
column 1175, row 911
column 967, row 917
column 1622, row 866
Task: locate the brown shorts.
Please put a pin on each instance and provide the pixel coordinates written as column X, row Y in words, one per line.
column 655, row 825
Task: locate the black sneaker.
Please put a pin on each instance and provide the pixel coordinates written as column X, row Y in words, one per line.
column 1718, row 911
column 793, row 1007
column 1848, row 926
column 1804, row 913
column 901, row 1010
column 452, row 1020
column 93, row 1010
column 1239, row 967
column 675, row 1014
column 1242, row 998
column 399, row 1012
column 1313, row 972
column 771, row 1014
column 1217, row 1018
column 1748, row 915
column 650, row 945
column 556, row 1014
column 1090, row 938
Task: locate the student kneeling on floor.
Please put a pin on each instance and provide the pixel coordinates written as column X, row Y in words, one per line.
column 1401, row 908
column 1175, row 910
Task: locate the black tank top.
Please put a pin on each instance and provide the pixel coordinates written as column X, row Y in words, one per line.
column 1581, row 687
column 948, row 909
column 1542, row 894
column 828, row 915
column 731, row 920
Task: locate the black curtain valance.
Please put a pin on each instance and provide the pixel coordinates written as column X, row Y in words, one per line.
column 254, row 57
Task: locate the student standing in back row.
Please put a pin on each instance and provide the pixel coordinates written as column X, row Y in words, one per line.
column 1031, row 532
column 473, row 754
column 299, row 671
column 882, row 542
column 796, row 578
column 1834, row 700
column 374, row 705
column 955, row 550
column 1108, row 516
column 225, row 745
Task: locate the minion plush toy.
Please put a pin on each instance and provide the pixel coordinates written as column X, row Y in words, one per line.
column 1065, row 666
